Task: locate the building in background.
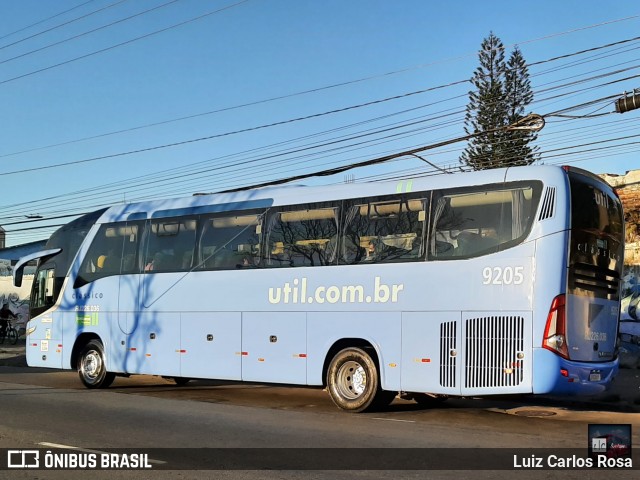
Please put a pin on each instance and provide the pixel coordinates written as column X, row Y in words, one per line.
column 628, row 188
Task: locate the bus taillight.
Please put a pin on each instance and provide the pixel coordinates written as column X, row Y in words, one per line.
column 556, row 328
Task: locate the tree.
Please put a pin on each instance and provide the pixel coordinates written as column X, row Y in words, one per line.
column 518, row 95
column 502, row 92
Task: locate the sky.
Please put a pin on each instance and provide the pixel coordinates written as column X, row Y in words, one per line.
column 111, row 101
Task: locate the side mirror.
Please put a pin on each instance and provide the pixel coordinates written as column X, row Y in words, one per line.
column 18, row 269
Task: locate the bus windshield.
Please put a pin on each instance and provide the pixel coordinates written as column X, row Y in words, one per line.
column 52, row 271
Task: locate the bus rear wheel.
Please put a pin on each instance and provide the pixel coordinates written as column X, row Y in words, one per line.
column 354, row 383
column 92, row 368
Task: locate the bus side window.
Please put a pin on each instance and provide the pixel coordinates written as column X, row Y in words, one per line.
column 168, row 243
column 302, row 237
column 230, row 242
column 389, row 230
column 104, row 256
column 130, row 235
column 480, row 221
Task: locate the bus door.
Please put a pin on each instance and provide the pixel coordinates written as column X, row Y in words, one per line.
column 153, row 330
column 128, row 307
column 45, row 339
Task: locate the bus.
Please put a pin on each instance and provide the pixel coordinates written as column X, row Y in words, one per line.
column 503, row 281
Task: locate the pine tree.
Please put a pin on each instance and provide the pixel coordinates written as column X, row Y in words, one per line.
column 502, row 91
column 518, row 95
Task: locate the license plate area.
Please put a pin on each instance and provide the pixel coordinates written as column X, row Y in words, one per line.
column 595, row 376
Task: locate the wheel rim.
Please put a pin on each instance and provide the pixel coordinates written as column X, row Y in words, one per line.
column 91, row 365
column 351, row 380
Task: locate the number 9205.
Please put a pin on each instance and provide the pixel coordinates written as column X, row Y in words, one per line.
column 503, row 275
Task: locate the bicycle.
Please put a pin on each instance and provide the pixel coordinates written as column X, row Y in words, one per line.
column 10, row 333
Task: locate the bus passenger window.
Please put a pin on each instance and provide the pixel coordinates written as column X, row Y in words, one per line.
column 169, row 245
column 480, row 221
column 389, row 230
column 302, row 238
column 230, row 242
column 105, row 254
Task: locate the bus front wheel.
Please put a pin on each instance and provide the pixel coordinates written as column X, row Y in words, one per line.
column 353, row 381
column 92, row 368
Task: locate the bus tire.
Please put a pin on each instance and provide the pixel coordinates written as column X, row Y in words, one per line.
column 92, row 367
column 353, row 381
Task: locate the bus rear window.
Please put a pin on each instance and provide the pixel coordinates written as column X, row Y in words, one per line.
column 593, row 208
column 596, row 247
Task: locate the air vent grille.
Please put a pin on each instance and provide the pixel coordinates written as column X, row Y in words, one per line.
column 548, row 203
column 494, row 352
column 448, row 354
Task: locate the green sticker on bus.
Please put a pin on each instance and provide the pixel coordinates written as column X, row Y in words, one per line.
column 86, row 319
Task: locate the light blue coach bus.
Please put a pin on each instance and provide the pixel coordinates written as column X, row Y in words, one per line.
column 496, row 282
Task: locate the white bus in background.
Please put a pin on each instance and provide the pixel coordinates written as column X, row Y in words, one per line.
column 494, row 282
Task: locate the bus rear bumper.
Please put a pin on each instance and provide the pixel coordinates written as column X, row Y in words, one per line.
column 555, row 375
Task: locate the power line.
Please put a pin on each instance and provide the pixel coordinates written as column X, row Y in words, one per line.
column 319, row 89
column 249, row 129
column 374, row 161
column 62, row 24
column 88, row 32
column 211, row 137
column 550, row 153
column 112, row 47
column 22, row 29
column 217, row 167
column 594, row 87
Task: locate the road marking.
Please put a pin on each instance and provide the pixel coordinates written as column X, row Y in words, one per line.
column 86, row 450
column 393, row 420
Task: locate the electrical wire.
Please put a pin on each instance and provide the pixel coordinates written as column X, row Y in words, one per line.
column 88, row 32
column 44, row 20
column 585, row 104
column 121, row 44
column 73, row 20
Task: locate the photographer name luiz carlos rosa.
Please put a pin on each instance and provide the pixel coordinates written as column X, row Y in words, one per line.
column 574, row 461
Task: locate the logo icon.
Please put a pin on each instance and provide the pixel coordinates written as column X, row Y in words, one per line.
column 610, row 440
column 599, row 445
column 23, row 459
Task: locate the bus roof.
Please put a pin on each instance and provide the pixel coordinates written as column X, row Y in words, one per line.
column 291, row 195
